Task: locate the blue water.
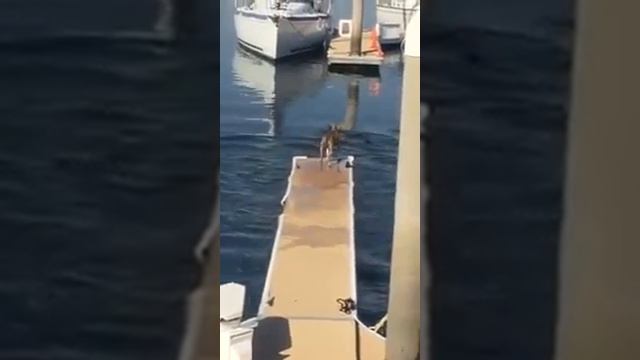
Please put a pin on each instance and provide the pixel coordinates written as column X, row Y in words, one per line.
column 267, row 119
column 497, row 80
column 108, row 145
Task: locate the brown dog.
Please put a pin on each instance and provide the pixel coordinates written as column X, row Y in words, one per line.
column 328, row 143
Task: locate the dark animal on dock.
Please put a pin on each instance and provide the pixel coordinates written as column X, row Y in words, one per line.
column 328, row 143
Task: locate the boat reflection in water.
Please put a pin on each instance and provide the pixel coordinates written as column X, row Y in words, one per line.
column 392, row 57
column 278, row 84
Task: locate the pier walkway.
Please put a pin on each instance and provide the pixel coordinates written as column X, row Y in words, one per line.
column 312, row 266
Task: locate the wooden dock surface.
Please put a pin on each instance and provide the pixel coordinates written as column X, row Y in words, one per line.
column 340, row 48
column 312, row 266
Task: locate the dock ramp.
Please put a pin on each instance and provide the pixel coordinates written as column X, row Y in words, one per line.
column 304, row 312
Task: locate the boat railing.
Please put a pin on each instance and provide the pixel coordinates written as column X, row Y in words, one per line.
column 244, row 3
column 399, row 4
column 321, row 6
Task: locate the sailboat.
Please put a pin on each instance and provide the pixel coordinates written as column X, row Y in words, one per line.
column 277, row 85
column 282, row 28
column 309, row 308
column 393, row 17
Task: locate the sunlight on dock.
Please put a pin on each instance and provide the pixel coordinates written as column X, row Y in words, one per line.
column 312, row 267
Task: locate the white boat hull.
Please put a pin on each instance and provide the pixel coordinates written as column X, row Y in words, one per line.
column 278, row 37
column 392, row 22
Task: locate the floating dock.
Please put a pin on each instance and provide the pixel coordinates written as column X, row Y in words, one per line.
column 339, row 52
column 312, row 269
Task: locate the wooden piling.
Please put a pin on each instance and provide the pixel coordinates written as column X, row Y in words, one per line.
column 356, row 28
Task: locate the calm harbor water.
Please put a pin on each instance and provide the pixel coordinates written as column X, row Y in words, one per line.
column 108, row 141
column 497, row 79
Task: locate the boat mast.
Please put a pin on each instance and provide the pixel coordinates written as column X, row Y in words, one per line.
column 599, row 315
column 403, row 324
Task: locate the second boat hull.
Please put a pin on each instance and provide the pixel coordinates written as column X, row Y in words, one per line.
column 392, row 22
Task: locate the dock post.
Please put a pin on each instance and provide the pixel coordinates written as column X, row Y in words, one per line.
column 599, row 292
column 403, row 325
column 358, row 51
column 356, row 28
